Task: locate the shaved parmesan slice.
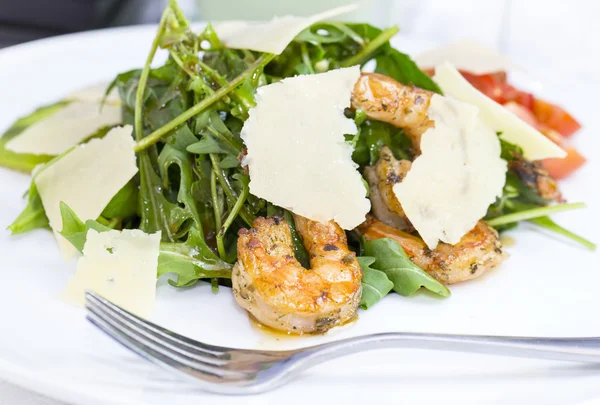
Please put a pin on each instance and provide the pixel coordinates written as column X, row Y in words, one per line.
column 271, row 36
column 86, row 178
column 514, row 130
column 468, row 56
column 95, row 94
column 457, row 176
column 297, row 155
column 119, row 266
column 72, row 124
column 65, row 128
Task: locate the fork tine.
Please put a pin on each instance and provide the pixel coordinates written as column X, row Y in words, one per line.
column 148, row 353
column 195, row 346
column 148, row 346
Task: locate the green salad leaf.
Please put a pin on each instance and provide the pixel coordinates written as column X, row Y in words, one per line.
column 401, row 67
column 187, row 262
column 375, row 283
column 155, row 209
column 125, row 203
column 75, row 230
column 33, row 216
column 406, row 276
column 177, row 165
column 549, row 224
column 331, row 45
column 373, row 135
column 191, row 261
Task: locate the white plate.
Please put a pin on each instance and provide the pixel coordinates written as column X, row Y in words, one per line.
column 547, row 288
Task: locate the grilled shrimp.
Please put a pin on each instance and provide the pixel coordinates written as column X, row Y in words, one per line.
column 381, row 178
column 535, row 176
column 384, row 99
column 273, row 286
column 477, row 252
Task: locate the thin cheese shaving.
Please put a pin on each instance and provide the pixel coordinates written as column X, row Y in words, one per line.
column 297, row 155
column 271, row 36
column 514, row 130
column 87, row 177
column 121, row 267
column 457, row 176
column 65, row 128
column 96, row 94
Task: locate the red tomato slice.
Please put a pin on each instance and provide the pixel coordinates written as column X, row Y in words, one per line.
column 525, row 99
column 522, row 112
column 491, row 84
column 555, row 117
column 561, row 168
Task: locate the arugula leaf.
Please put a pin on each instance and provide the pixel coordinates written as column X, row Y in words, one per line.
column 390, row 61
column 212, row 124
column 154, row 207
column 552, row 226
column 158, row 213
column 373, row 135
column 375, row 283
column 208, row 144
column 200, row 192
column 326, row 32
column 401, row 67
column 22, row 162
column 210, row 36
column 188, row 261
column 524, row 214
column 229, row 162
column 33, row 216
column 191, row 261
column 330, row 45
column 74, row 229
column 406, row 276
column 509, row 150
column 182, row 138
column 124, row 204
column 188, row 209
column 165, row 96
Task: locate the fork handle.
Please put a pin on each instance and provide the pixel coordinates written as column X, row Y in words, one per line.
column 564, row 349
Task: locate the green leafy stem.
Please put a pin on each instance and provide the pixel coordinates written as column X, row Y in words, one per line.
column 158, row 134
column 534, row 213
column 371, row 47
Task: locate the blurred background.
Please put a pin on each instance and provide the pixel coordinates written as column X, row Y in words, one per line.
column 557, row 32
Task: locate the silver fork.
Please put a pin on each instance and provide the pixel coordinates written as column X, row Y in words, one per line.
column 236, row 371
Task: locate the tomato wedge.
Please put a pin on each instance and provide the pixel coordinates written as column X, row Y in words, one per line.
column 555, row 117
column 522, row 112
column 561, row 168
column 551, row 120
column 492, row 85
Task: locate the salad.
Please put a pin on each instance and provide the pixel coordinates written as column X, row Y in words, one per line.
column 260, row 157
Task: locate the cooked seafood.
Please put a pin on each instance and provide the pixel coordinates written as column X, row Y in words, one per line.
column 477, row 252
column 273, row 286
column 381, row 178
column 536, row 177
column 383, row 98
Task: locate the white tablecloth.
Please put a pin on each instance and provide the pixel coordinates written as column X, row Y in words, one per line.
column 557, row 33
